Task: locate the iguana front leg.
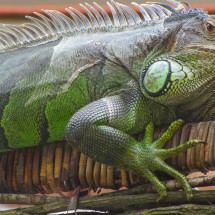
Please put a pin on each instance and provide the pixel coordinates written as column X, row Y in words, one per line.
column 102, row 131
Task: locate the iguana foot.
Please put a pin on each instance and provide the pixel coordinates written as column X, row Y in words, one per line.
column 151, row 157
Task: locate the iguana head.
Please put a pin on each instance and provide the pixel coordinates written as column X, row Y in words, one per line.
column 180, row 71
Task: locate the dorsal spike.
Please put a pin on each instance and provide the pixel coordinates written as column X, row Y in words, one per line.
column 106, row 17
column 122, row 19
column 66, row 23
column 69, row 22
column 56, row 18
column 159, row 12
column 77, row 20
column 57, row 25
column 168, row 7
column 26, row 37
column 93, row 20
column 165, row 10
column 31, row 30
column 38, row 31
column 48, row 21
column 145, row 15
column 135, row 16
column 82, row 16
column 2, row 47
column 4, row 42
column 97, row 15
column 129, row 17
column 15, row 30
column 12, row 36
column 114, row 15
column 56, row 21
column 179, row 6
column 7, row 38
column 187, row 5
column 150, row 11
column 29, row 33
column 45, row 27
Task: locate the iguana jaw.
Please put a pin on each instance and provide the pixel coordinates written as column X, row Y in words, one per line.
column 200, row 105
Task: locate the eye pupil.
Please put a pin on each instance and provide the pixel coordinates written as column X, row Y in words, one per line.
column 210, row 27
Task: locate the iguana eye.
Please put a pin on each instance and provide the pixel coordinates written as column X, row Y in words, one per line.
column 156, row 77
column 210, row 27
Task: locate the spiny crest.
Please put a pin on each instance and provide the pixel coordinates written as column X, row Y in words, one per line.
column 55, row 25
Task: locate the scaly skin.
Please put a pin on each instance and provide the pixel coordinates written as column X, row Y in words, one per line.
column 152, row 157
column 99, row 88
column 110, row 126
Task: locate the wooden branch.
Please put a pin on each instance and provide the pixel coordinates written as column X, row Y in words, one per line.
column 119, row 203
column 28, row 199
column 124, row 199
column 182, row 209
column 172, row 185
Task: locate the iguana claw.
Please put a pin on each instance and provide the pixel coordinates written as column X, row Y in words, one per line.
column 153, row 157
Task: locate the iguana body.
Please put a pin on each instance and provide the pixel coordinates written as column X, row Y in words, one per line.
column 99, row 86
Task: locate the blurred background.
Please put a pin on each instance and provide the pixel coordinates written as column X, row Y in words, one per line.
column 13, row 11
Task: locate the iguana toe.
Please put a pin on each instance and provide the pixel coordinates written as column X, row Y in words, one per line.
column 152, row 156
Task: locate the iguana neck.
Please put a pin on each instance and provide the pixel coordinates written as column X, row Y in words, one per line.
column 200, row 108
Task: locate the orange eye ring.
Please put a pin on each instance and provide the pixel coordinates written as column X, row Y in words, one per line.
column 210, row 27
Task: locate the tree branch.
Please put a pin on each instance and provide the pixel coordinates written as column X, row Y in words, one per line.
column 172, row 185
column 119, row 203
column 188, row 208
column 116, row 201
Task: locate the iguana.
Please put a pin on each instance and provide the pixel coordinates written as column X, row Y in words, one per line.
column 96, row 81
